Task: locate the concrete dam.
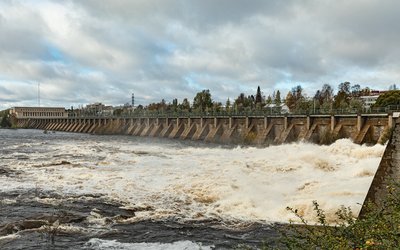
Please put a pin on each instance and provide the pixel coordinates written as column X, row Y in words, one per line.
column 252, row 130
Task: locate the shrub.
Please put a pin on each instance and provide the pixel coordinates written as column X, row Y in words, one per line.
column 387, row 134
column 379, row 228
column 5, row 121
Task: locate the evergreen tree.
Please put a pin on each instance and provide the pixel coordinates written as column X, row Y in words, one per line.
column 228, row 105
column 258, row 96
column 269, row 100
column 277, row 99
column 174, row 105
column 175, row 102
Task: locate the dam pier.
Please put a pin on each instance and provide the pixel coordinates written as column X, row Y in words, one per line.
column 232, row 129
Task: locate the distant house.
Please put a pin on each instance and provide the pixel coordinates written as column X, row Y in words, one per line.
column 98, row 108
column 94, row 108
column 282, row 108
column 369, row 100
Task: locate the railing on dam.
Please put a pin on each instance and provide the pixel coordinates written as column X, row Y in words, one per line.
column 252, row 113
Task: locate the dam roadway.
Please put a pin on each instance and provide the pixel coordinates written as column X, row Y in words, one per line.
column 232, row 129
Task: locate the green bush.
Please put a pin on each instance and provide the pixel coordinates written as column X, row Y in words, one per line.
column 5, row 121
column 389, row 98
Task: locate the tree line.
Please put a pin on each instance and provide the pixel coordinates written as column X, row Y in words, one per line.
column 5, row 121
column 324, row 100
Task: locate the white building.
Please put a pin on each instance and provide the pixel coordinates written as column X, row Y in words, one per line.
column 282, row 108
column 369, row 100
column 98, row 108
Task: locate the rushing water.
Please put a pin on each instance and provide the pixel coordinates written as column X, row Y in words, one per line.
column 126, row 192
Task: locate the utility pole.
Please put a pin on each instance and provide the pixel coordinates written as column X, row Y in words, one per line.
column 39, row 94
column 314, row 106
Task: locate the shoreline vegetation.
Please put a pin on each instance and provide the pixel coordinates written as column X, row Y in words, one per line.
column 5, row 121
column 378, row 228
column 347, row 99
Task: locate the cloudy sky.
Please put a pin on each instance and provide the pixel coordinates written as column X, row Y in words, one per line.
column 102, row 51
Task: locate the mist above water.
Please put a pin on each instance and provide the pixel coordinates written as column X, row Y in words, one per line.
column 171, row 179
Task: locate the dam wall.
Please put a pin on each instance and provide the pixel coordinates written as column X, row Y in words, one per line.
column 253, row 130
column 386, row 179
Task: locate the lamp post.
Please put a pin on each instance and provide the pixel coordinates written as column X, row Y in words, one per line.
column 314, row 106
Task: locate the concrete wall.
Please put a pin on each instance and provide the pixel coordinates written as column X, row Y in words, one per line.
column 236, row 130
column 387, row 174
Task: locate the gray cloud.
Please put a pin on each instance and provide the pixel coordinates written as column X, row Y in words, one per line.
column 88, row 51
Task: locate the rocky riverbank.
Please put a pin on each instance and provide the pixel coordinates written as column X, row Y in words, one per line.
column 38, row 220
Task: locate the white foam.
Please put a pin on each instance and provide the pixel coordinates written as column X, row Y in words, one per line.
column 113, row 244
column 8, row 238
column 197, row 183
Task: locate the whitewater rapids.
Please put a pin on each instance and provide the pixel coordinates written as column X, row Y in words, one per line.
column 185, row 181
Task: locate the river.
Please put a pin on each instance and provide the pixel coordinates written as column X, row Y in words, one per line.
column 81, row 191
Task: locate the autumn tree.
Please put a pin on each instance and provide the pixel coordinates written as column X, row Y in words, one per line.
column 158, row 106
column 185, row 105
column 295, row 99
column 365, row 91
column 324, row 95
column 290, row 101
column 356, row 91
column 203, row 101
column 217, row 106
column 342, row 98
column 323, row 99
column 243, row 102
